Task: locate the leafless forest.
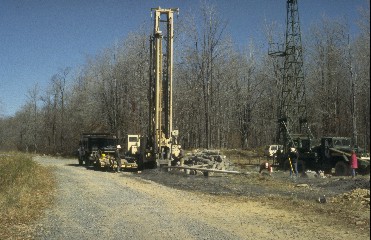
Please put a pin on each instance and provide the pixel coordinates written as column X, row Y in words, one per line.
column 224, row 96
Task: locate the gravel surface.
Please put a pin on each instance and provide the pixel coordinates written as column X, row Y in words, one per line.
column 159, row 205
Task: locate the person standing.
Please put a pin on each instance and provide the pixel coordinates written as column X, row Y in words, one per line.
column 353, row 163
column 118, row 157
column 81, row 154
column 294, row 156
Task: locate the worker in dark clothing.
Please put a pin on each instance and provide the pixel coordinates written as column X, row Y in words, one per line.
column 294, row 157
column 118, row 157
column 81, row 154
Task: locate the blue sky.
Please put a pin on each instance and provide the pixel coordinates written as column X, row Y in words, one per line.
column 41, row 37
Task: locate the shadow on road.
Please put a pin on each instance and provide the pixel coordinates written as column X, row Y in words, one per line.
column 74, row 165
column 101, row 169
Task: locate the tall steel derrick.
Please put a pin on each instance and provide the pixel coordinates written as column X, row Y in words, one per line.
column 161, row 131
column 292, row 111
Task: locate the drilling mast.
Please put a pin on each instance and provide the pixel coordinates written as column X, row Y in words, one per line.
column 292, row 112
column 162, row 139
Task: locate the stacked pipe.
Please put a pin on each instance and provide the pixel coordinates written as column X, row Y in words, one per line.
column 211, row 159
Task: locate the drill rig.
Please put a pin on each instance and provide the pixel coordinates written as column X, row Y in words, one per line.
column 292, row 129
column 160, row 147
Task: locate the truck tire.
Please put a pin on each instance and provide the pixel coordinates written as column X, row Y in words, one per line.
column 97, row 165
column 364, row 170
column 87, row 162
column 342, row 169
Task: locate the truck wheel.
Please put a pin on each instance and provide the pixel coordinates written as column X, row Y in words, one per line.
column 87, row 163
column 97, row 165
column 368, row 170
column 152, row 165
column 342, row 169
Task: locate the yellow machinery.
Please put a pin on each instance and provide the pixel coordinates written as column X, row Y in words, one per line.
column 106, row 161
column 131, row 157
column 105, row 158
column 160, row 145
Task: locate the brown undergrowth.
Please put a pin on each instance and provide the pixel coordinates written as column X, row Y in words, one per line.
column 26, row 188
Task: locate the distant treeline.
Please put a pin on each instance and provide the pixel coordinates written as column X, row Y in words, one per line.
column 224, row 97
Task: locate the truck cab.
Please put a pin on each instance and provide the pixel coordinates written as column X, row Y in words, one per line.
column 271, row 150
column 133, row 144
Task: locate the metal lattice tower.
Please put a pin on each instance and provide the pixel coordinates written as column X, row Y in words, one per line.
column 292, row 113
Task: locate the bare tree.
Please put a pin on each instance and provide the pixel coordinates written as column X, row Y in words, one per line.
column 361, row 63
column 207, row 38
column 329, row 78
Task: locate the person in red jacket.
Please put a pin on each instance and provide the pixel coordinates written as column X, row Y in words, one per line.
column 353, row 163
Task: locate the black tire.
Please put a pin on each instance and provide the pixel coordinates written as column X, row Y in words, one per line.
column 149, row 165
column 140, row 165
column 97, row 165
column 342, row 169
column 364, row 170
column 87, row 162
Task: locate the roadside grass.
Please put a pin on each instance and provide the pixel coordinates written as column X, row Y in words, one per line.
column 26, row 188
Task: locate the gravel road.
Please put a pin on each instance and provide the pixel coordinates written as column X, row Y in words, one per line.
column 103, row 205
